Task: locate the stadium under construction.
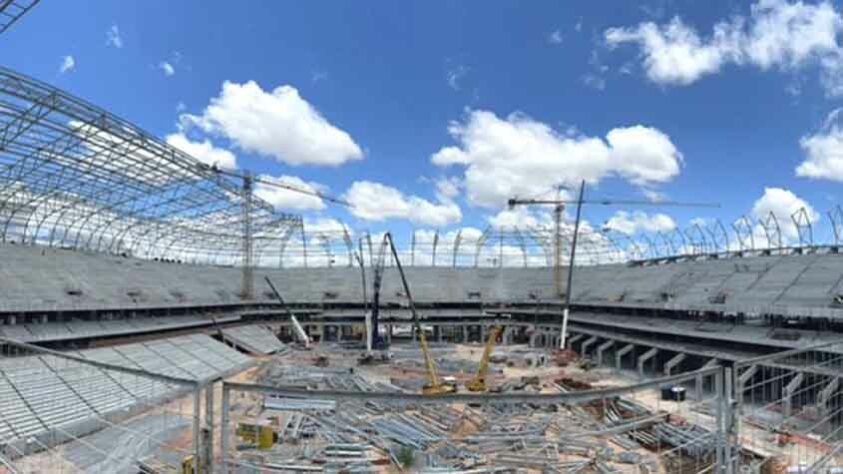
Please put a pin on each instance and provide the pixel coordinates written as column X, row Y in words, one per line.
column 157, row 316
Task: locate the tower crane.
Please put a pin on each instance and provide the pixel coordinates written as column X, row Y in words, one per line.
column 247, row 191
column 559, row 206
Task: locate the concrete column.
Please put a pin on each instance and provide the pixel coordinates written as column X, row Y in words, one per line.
column 389, row 334
column 464, row 334
column 484, row 333
column 700, row 382
column 339, row 329
column 572, row 339
column 603, row 348
column 825, row 394
column 505, row 335
column 437, row 334
column 673, row 362
column 745, row 378
column 619, row 355
column 586, row 345
column 644, row 358
column 789, row 390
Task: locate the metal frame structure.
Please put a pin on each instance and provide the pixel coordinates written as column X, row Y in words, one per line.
column 395, row 402
column 12, row 10
column 73, row 175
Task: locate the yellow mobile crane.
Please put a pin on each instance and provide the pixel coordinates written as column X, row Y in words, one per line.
column 478, row 383
column 434, row 385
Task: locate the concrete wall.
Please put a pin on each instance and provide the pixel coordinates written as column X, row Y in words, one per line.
column 44, row 279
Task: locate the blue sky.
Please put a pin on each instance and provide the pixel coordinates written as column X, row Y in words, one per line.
column 359, row 99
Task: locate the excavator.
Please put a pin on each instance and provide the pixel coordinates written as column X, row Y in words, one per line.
column 478, row 383
column 435, row 385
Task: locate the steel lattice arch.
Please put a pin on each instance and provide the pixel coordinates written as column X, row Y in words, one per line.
column 12, row 10
column 75, row 176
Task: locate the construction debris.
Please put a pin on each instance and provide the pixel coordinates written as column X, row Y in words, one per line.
column 608, row 435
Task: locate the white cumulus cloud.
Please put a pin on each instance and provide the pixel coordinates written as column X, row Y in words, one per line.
column 448, row 188
column 517, row 155
column 521, row 218
column 377, row 202
column 68, row 63
column 783, row 203
column 204, row 151
column 823, row 151
column 633, row 222
column 776, row 34
column 167, row 67
column 326, row 225
column 278, row 124
column 286, row 199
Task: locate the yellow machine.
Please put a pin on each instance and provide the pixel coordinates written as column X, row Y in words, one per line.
column 478, row 383
column 261, row 435
column 434, row 385
column 187, row 466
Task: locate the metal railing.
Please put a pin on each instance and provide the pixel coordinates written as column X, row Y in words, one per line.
column 92, row 411
column 789, row 410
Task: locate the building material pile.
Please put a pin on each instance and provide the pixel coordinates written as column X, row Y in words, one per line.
column 607, row 435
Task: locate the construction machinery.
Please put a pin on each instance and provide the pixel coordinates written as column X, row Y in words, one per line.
column 377, row 283
column 297, row 327
column 435, row 385
column 559, row 206
column 188, row 466
column 478, row 383
column 258, row 433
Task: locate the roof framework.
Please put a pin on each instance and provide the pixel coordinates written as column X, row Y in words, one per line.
column 12, row 10
column 74, row 175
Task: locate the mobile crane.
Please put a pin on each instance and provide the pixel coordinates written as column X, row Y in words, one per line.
column 434, row 385
column 300, row 332
column 478, row 383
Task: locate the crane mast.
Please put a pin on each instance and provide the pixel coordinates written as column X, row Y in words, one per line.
column 478, row 383
column 559, row 207
column 434, row 385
